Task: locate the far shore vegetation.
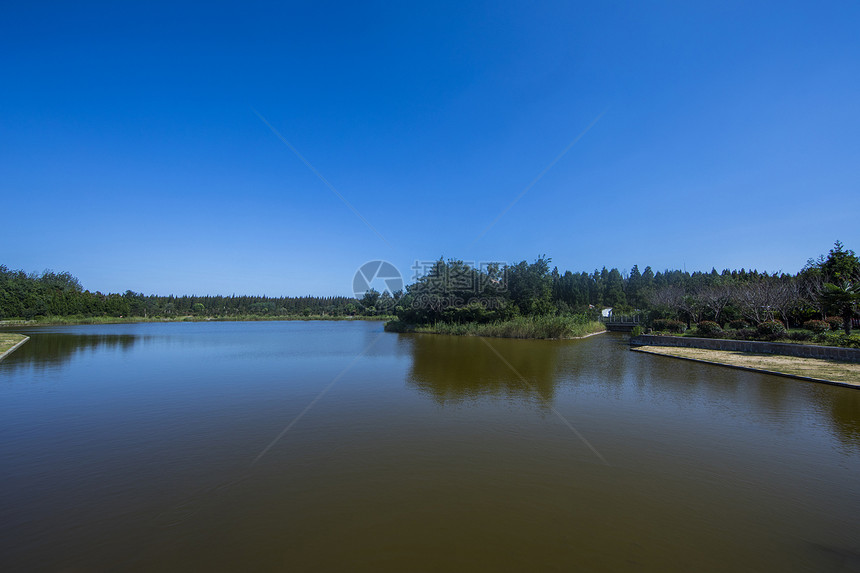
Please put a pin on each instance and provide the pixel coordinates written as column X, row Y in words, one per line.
column 59, row 298
column 61, row 320
column 529, row 300
column 819, row 304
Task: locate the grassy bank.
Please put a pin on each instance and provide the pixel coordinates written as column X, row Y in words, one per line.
column 8, row 340
column 842, row 372
column 520, row 327
column 60, row 320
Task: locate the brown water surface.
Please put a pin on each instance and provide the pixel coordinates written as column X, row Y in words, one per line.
column 326, row 446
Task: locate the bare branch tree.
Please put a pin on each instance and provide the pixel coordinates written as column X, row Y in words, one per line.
column 668, row 297
column 694, row 306
column 811, row 288
column 786, row 297
column 717, row 297
column 674, row 297
column 755, row 299
column 760, row 298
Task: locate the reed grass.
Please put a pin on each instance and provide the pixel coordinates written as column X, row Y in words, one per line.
column 519, row 327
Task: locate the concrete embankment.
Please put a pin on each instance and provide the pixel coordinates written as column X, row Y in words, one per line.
column 781, row 348
column 15, row 346
column 809, row 369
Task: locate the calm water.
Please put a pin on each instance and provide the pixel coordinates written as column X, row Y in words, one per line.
column 192, row 447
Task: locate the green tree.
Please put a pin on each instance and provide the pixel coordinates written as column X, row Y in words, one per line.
column 840, row 274
column 634, row 286
column 530, row 286
column 613, row 290
column 842, row 300
column 369, row 300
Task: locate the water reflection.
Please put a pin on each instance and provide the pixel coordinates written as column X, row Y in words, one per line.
column 773, row 400
column 138, row 455
column 843, row 407
column 453, row 369
column 51, row 350
column 456, row 368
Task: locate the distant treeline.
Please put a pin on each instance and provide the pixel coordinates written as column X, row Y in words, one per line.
column 50, row 294
column 457, row 293
column 454, row 292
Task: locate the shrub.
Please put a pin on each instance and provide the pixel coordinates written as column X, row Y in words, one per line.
column 839, row 339
column 637, row 330
column 816, row 326
column 821, row 338
column 835, row 322
column 665, row 325
column 771, row 330
column 738, row 324
column 746, row 334
column 709, row 329
column 800, row 335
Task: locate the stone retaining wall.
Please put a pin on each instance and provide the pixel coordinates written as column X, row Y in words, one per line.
column 783, row 348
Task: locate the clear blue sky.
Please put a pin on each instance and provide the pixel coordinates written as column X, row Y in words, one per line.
column 131, row 156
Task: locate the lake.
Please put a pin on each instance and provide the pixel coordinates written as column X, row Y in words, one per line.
column 334, row 446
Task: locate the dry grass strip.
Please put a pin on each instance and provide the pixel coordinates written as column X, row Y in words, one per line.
column 8, row 342
column 843, row 372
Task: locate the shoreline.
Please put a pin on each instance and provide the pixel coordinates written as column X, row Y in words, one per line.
column 827, row 352
column 790, row 366
column 470, row 335
column 584, row 336
column 523, row 328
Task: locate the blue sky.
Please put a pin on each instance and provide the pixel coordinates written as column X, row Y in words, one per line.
column 131, row 154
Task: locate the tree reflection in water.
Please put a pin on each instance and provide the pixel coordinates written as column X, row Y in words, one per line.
column 50, row 349
column 457, row 368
